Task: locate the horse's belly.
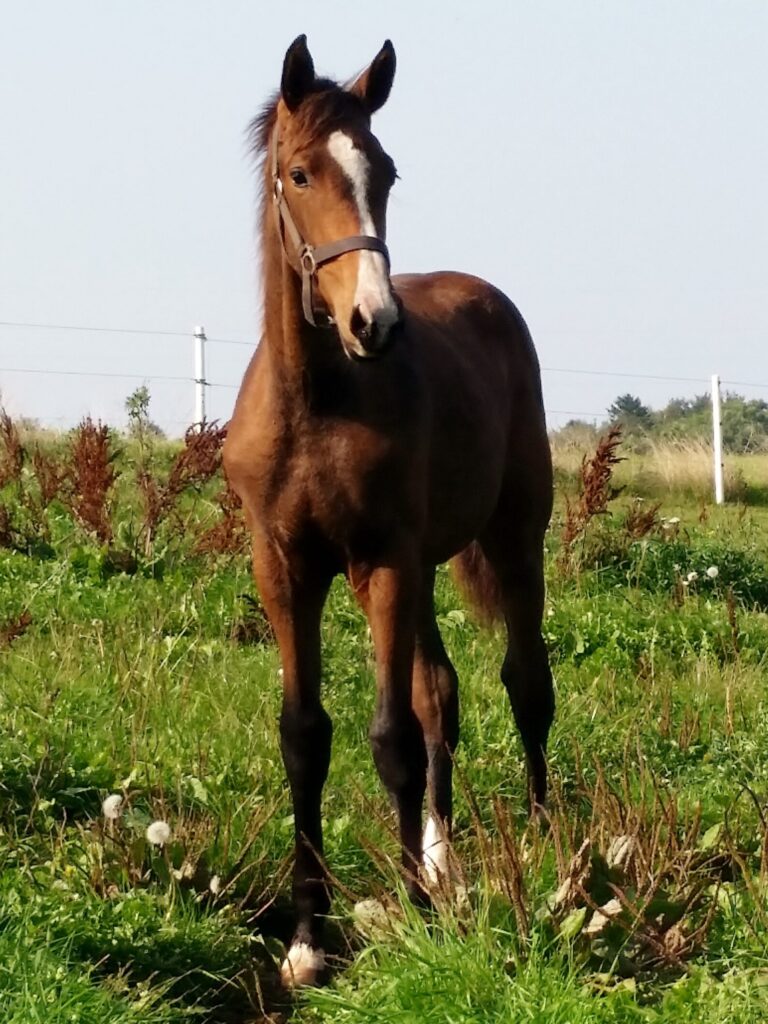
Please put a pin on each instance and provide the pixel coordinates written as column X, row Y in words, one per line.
column 457, row 516
column 466, row 468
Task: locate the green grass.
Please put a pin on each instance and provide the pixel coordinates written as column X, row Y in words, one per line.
column 135, row 685
column 417, row 975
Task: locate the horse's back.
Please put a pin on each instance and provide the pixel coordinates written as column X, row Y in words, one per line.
column 461, row 317
column 481, row 369
column 455, row 300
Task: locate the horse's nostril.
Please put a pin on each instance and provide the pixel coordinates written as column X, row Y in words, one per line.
column 360, row 327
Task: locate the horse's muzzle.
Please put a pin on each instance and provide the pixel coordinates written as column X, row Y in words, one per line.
column 374, row 337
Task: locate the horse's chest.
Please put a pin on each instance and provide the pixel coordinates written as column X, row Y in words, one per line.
column 339, row 483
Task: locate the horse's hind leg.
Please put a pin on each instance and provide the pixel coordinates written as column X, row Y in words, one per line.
column 389, row 594
column 436, row 704
column 517, row 558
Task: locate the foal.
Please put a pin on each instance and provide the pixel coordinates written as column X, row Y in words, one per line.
column 384, row 425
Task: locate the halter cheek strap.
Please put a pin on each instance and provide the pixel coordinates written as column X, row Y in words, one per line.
column 310, row 257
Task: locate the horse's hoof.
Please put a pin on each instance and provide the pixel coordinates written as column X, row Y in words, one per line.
column 302, row 967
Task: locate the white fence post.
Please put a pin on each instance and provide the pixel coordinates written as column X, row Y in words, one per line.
column 200, row 381
column 717, row 439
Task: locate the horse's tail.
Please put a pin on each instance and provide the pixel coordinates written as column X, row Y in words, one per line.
column 478, row 582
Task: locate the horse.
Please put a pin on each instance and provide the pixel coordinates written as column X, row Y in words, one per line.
column 385, row 425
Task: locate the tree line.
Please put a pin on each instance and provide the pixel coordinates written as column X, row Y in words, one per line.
column 744, row 421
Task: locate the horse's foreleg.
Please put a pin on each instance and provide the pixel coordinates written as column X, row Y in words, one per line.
column 397, row 740
column 294, row 603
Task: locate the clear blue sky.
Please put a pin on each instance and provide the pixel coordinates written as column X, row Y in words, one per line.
column 605, row 163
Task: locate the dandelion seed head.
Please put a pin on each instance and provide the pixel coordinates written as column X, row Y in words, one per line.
column 158, row 833
column 215, row 885
column 112, row 806
column 692, row 576
column 713, row 572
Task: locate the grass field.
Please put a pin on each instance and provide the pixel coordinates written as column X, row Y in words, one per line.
column 644, row 898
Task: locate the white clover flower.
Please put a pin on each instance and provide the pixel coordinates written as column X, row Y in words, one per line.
column 112, row 806
column 215, row 885
column 692, row 576
column 158, row 833
column 713, row 572
column 673, row 520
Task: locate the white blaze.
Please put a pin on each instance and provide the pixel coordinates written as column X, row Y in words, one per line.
column 373, row 294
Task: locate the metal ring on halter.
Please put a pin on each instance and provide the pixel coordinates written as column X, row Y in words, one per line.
column 307, row 260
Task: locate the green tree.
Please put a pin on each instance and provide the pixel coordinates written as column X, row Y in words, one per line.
column 630, row 412
column 140, row 425
column 745, row 424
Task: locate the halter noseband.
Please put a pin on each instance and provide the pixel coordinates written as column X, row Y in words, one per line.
column 310, row 257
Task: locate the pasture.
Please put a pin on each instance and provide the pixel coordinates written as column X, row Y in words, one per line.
column 135, row 662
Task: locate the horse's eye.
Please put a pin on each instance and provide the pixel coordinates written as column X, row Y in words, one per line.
column 298, row 177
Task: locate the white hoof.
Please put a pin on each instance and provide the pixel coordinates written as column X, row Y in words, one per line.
column 434, row 852
column 302, row 966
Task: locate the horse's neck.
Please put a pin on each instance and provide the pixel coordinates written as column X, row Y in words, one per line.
column 297, row 351
column 283, row 320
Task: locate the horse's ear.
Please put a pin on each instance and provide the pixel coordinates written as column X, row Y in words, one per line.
column 373, row 84
column 298, row 73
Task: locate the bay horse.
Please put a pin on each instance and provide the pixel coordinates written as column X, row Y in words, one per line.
column 384, row 425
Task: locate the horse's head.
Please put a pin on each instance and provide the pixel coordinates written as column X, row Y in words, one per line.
column 331, row 180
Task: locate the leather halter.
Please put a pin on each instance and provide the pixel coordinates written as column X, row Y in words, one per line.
column 310, row 257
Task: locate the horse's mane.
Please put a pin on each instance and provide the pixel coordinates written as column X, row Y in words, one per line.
column 327, row 106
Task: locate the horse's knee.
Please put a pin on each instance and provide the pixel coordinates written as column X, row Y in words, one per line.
column 436, row 702
column 448, row 691
column 305, row 741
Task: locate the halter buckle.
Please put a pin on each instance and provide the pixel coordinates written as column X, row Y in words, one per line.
column 307, row 260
